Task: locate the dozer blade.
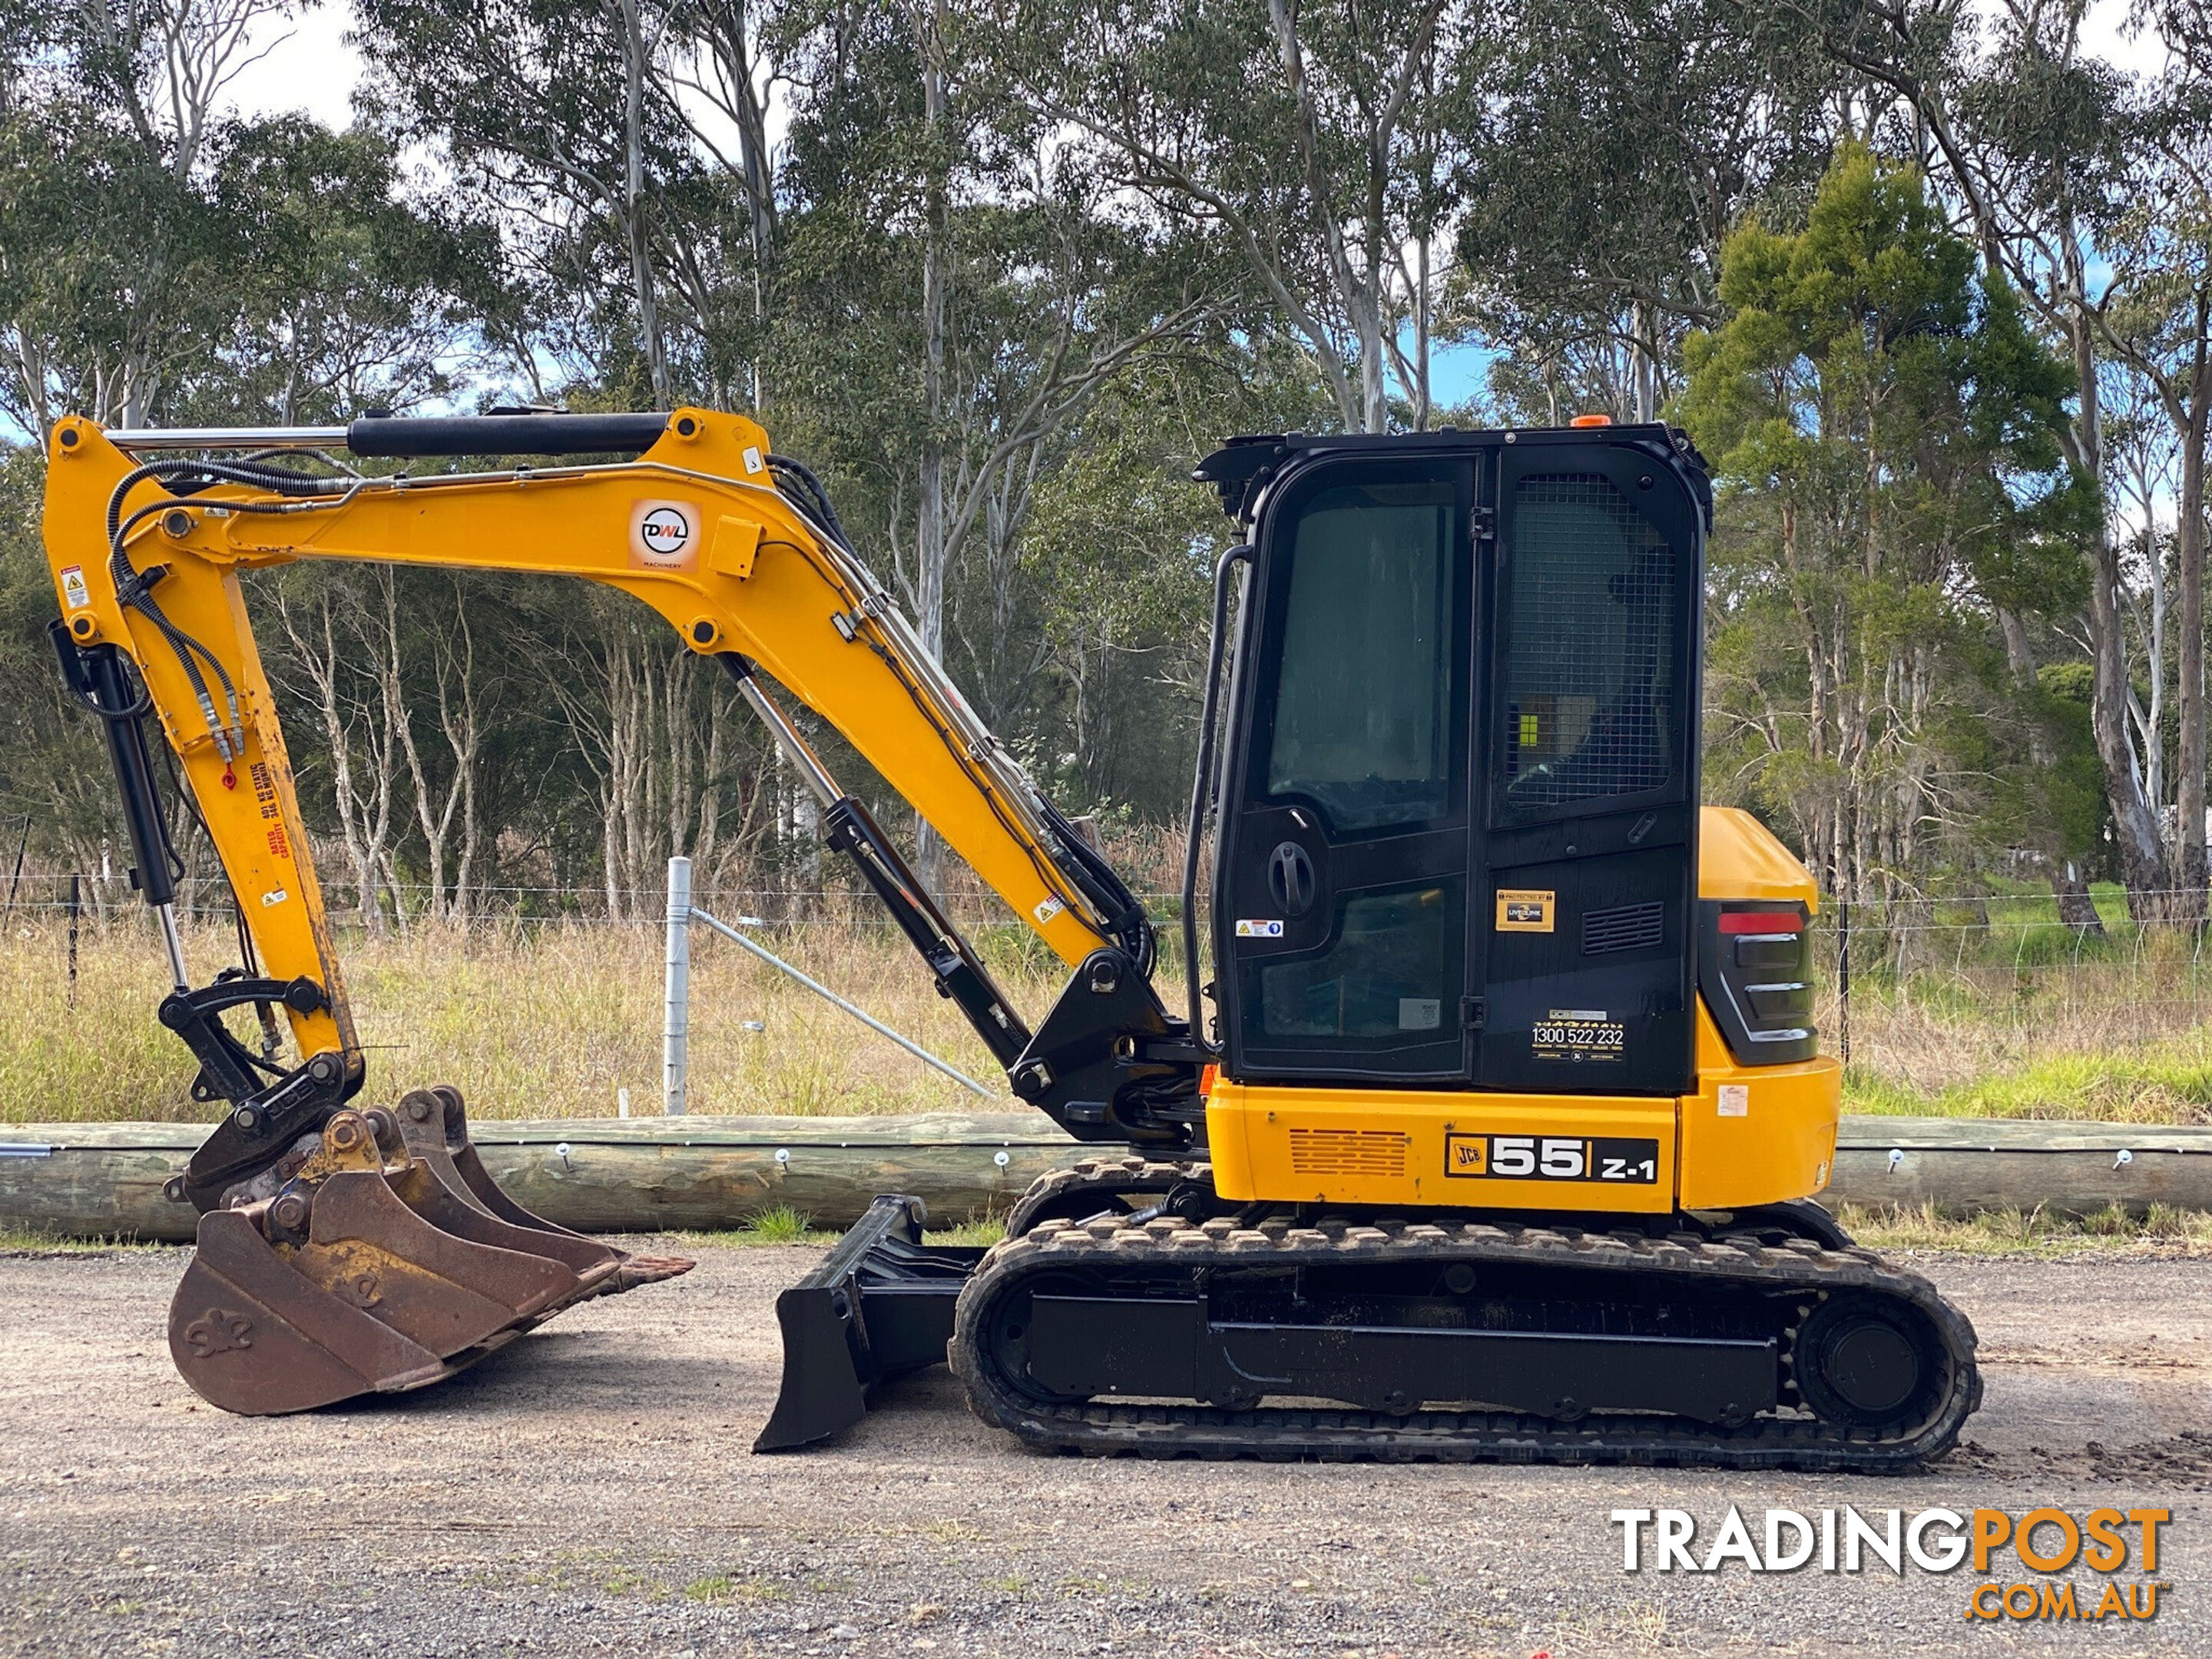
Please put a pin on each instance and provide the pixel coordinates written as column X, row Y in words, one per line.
column 880, row 1303
column 434, row 1123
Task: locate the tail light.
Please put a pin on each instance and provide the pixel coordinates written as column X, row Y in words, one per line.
column 1755, row 971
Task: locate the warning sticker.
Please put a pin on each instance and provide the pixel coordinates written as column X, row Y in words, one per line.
column 1522, row 910
column 1259, row 929
column 75, row 593
column 1735, row 1100
column 1580, row 1034
column 664, row 535
column 1047, row 908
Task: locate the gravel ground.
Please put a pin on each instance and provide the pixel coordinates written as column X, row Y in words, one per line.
column 589, row 1492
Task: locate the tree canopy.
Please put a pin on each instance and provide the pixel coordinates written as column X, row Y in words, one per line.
column 1931, row 288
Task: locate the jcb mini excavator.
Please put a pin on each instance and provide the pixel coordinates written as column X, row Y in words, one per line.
column 1495, row 1141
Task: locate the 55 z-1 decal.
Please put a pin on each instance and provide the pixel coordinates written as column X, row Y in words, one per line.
column 1552, row 1158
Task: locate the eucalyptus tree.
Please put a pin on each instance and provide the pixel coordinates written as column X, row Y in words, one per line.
column 1626, row 141
column 1885, row 431
column 1318, row 144
column 2155, row 316
column 956, row 301
column 114, row 264
column 2029, row 134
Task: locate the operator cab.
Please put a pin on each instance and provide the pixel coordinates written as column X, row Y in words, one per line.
column 1458, row 802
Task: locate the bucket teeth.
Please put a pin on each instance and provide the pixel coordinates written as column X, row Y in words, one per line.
column 435, row 1126
column 388, row 1259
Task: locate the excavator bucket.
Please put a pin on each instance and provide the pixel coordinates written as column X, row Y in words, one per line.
column 881, row 1302
column 435, row 1124
column 378, row 1265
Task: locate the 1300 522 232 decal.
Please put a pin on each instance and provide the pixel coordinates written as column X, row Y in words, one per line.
column 1617, row 1159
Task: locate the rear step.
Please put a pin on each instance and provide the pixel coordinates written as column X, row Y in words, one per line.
column 880, row 1303
column 375, row 1258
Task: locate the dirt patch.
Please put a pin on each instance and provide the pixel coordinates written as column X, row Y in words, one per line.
column 589, row 1490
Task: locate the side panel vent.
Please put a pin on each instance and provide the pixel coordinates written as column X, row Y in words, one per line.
column 1348, row 1151
column 1631, row 927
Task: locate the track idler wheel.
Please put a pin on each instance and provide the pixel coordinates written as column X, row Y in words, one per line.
column 1867, row 1362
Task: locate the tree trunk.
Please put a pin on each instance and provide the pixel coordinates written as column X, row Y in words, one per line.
column 2189, row 862
column 2135, row 823
column 2076, row 909
column 936, row 277
column 633, row 205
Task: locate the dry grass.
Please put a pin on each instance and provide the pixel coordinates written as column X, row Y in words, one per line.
column 543, row 1021
column 551, row 1019
column 2164, row 1231
column 2120, row 1041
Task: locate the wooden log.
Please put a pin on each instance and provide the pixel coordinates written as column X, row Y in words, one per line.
column 644, row 1175
column 714, row 1173
column 1967, row 1165
column 597, row 1175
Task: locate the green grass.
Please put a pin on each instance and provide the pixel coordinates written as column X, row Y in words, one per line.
column 16, row 1240
column 782, row 1224
column 778, row 1224
column 2161, row 1082
column 2034, row 1232
column 723, row 1587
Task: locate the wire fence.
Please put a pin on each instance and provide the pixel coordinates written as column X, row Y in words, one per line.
column 503, row 907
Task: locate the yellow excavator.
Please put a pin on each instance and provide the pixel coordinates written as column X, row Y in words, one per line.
column 1492, row 1134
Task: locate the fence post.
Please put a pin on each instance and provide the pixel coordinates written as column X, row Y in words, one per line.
column 674, row 1060
column 76, row 909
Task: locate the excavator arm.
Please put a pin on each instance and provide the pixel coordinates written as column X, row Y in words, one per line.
column 737, row 548
column 345, row 1249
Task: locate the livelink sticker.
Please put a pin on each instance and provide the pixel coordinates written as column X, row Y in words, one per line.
column 664, row 534
column 1259, row 929
column 1523, row 910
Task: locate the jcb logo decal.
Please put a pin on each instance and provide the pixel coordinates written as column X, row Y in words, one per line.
column 1466, row 1155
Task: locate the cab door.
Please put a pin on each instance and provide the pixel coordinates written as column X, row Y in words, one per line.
column 1583, row 925
column 1342, row 877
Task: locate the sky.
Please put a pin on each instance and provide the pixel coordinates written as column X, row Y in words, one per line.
column 309, row 67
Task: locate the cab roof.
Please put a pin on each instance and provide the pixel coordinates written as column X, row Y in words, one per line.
column 1242, row 468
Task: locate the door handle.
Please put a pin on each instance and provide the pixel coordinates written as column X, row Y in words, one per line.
column 1290, row 878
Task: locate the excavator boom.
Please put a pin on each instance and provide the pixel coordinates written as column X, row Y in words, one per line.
column 368, row 1246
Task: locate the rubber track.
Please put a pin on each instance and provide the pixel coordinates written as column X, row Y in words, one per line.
column 1107, row 1177
column 1801, row 1268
